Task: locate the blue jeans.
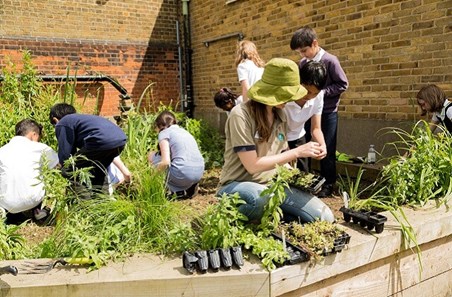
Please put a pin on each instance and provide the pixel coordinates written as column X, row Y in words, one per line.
column 298, row 205
column 329, row 129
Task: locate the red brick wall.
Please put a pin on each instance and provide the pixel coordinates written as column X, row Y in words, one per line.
column 133, row 41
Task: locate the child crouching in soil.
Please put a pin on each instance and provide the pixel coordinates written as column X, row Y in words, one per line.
column 179, row 154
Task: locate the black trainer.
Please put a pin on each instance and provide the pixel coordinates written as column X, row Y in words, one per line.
column 326, row 191
column 187, row 194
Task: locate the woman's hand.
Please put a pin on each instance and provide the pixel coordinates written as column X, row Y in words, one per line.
column 310, row 150
column 322, row 153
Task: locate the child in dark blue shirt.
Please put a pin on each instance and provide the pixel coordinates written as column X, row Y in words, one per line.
column 91, row 136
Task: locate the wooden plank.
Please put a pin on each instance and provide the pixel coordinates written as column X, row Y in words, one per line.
column 143, row 275
column 397, row 274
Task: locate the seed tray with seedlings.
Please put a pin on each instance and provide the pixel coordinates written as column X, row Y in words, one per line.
column 318, row 239
column 306, row 181
column 366, row 219
column 296, row 253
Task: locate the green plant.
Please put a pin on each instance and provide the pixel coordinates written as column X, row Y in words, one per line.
column 315, row 237
column 423, row 173
column 11, row 242
column 275, row 192
column 269, row 250
column 222, row 223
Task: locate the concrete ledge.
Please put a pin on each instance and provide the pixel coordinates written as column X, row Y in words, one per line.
column 372, row 265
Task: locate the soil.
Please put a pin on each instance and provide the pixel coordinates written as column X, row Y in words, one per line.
column 208, row 186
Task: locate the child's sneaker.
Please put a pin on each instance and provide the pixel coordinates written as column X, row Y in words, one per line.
column 41, row 214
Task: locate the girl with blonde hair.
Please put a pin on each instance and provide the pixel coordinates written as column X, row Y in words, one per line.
column 249, row 65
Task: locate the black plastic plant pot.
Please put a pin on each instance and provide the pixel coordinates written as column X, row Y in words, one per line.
column 365, row 219
column 225, row 257
column 338, row 244
column 345, row 237
column 237, row 256
column 378, row 221
column 296, row 253
column 203, row 261
column 214, row 259
column 189, row 261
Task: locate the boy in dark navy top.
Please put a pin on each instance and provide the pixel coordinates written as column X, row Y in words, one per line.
column 91, row 136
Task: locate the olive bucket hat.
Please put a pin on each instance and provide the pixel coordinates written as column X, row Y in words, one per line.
column 279, row 84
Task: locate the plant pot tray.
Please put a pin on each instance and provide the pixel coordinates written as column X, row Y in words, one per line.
column 296, row 253
column 313, row 187
column 366, row 219
column 338, row 245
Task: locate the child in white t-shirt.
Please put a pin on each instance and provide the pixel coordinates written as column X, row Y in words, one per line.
column 249, row 65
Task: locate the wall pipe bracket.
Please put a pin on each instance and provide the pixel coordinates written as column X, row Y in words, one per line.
column 239, row 35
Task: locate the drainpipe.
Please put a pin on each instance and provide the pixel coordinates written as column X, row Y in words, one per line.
column 181, row 76
column 190, row 106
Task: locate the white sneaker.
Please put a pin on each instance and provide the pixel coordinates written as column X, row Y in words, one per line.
column 41, row 213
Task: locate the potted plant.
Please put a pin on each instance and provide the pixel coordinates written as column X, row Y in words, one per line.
column 220, row 229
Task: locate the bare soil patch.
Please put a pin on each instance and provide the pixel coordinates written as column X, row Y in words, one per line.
column 35, row 234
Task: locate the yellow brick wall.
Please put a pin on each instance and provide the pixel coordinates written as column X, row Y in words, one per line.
column 388, row 49
column 131, row 20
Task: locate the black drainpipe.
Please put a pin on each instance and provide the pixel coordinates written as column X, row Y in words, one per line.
column 189, row 100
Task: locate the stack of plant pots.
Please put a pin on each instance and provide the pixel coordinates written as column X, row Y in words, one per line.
column 214, row 259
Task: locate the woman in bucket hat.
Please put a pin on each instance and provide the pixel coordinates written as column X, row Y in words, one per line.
column 256, row 142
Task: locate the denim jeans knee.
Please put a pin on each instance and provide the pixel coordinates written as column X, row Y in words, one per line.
column 305, row 206
column 249, row 192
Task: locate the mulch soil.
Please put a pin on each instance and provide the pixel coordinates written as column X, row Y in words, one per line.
column 208, row 186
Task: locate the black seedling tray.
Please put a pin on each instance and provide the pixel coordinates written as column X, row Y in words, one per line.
column 314, row 187
column 366, row 219
column 339, row 244
column 316, row 184
column 296, row 253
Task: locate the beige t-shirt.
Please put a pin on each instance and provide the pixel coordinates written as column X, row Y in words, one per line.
column 241, row 135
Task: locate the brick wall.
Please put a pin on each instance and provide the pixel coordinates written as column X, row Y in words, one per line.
column 132, row 41
column 388, row 48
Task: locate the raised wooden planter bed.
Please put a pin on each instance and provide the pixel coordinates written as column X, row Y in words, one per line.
column 370, row 265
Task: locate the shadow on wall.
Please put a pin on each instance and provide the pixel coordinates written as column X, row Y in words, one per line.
column 159, row 62
column 354, row 136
